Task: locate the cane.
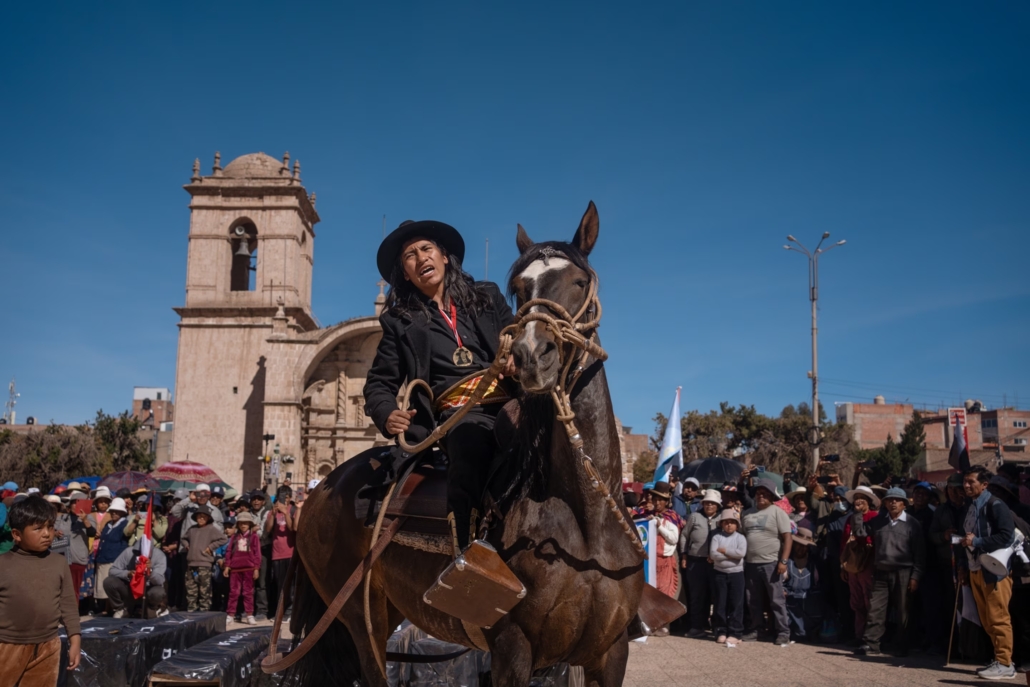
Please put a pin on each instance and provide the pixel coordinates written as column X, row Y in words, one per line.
column 954, row 613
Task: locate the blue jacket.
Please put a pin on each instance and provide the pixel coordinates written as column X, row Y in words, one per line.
column 112, row 541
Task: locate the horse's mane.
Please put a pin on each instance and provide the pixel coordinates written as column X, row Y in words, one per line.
column 526, row 470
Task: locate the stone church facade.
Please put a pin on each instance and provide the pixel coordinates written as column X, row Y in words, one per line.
column 252, row 358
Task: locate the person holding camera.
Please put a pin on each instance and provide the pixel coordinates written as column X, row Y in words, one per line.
column 280, row 527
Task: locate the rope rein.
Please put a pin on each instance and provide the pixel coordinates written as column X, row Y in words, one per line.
column 579, row 334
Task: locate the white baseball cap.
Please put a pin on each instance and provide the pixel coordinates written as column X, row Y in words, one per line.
column 313, row 483
column 52, row 498
column 32, row 490
column 203, row 487
column 692, row 480
column 119, row 505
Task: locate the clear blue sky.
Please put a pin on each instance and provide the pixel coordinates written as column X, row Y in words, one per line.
column 704, row 131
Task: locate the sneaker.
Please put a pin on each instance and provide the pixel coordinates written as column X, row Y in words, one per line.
column 997, row 671
column 750, row 636
column 782, row 640
column 731, row 643
column 721, row 639
column 868, row 650
column 163, row 612
column 251, row 620
column 230, row 619
column 695, row 634
column 120, row 613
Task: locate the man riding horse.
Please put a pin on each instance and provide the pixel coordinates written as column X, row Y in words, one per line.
column 443, row 327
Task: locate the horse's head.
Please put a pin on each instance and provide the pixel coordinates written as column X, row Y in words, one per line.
column 558, row 272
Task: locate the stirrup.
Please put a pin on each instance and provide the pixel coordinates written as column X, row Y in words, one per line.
column 477, row 587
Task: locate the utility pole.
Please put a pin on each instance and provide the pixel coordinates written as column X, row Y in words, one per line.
column 815, row 436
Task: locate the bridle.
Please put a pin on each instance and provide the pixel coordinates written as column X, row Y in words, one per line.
column 576, row 338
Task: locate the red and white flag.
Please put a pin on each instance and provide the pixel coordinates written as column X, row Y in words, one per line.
column 138, row 584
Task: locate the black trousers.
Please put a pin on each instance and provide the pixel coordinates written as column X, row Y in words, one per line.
column 470, row 447
column 700, row 578
column 278, row 576
column 261, row 585
column 728, row 618
column 889, row 587
column 1019, row 611
column 120, row 594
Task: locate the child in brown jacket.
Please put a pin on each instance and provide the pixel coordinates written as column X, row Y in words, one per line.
column 200, row 543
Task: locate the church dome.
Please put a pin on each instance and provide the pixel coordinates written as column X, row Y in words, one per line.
column 253, row 166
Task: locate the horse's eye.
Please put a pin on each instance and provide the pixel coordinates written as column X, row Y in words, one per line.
column 581, row 283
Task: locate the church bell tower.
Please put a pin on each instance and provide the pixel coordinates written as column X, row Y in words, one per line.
column 249, row 264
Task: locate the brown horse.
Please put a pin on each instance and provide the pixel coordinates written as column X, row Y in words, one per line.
column 555, row 531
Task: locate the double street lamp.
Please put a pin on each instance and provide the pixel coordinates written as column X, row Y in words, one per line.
column 813, row 296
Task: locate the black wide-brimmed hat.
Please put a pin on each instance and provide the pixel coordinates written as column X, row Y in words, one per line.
column 442, row 234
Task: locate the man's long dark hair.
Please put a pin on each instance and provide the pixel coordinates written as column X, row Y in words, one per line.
column 404, row 299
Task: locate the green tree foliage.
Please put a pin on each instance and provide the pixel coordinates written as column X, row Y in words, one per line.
column 644, row 466
column 913, row 441
column 897, row 459
column 779, row 443
column 45, row 457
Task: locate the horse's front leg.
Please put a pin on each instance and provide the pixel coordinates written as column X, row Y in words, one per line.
column 511, row 657
column 610, row 669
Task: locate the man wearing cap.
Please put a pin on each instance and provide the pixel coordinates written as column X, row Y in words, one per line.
column 440, row 326
column 259, row 509
column 186, row 508
column 690, row 494
column 987, row 526
column 694, row 542
column 217, row 501
column 767, row 529
column 899, row 559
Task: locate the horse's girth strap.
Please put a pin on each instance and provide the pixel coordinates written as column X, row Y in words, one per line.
column 272, row 663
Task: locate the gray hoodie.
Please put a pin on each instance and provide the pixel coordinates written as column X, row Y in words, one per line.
column 736, row 547
column 123, row 566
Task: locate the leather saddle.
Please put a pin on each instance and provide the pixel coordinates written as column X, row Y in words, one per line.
column 421, row 498
column 422, row 494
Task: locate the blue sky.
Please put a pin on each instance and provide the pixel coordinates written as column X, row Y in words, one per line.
column 705, row 132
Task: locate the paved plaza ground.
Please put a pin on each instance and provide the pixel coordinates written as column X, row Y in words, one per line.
column 668, row 661
column 679, row 661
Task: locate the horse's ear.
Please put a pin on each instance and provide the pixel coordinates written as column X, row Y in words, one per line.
column 586, row 235
column 523, row 241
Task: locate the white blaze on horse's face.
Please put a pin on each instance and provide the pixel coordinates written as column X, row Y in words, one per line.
column 536, row 352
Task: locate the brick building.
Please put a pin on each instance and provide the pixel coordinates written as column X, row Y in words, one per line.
column 1007, row 428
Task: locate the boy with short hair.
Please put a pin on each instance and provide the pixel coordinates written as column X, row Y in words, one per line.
column 36, row 594
column 200, row 543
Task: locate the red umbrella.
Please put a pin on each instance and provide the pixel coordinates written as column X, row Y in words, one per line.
column 186, row 471
column 186, row 474
column 130, row 480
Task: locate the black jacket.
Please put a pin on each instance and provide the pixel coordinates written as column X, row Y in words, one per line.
column 404, row 354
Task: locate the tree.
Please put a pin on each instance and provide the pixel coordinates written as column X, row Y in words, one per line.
column 119, row 441
column 913, row 441
column 45, row 458
column 644, row 466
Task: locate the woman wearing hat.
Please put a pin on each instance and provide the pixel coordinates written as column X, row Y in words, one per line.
column 668, row 524
column 112, row 541
column 857, row 552
column 440, row 326
column 694, row 543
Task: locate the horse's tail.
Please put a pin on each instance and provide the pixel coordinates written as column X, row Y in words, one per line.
column 333, row 660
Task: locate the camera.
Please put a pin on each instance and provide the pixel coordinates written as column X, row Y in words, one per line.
column 955, row 539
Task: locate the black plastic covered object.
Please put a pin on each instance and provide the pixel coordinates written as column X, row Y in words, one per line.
column 227, row 657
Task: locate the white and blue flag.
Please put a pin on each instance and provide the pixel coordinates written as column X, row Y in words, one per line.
column 671, row 456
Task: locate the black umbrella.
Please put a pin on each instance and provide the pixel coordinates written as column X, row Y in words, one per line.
column 713, row 471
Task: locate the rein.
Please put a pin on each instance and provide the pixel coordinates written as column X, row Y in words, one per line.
column 566, row 329
column 577, row 332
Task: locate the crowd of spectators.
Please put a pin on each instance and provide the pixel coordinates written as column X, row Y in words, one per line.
column 82, row 551
column 886, row 568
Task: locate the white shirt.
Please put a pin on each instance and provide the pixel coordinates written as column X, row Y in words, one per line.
column 900, row 518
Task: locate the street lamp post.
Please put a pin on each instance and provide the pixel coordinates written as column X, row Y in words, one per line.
column 813, row 296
